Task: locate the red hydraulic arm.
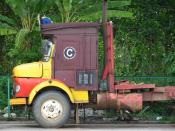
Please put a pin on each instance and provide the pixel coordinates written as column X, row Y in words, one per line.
column 108, row 72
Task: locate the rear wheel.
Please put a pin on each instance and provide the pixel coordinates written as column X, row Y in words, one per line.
column 51, row 109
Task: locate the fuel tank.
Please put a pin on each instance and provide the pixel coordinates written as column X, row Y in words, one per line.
column 132, row 102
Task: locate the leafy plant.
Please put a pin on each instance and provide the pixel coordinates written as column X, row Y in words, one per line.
column 89, row 10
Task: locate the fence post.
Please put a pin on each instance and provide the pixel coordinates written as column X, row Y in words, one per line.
column 8, row 85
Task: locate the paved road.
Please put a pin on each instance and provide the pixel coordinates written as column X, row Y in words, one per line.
column 32, row 126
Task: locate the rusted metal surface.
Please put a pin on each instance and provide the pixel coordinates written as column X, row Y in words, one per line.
column 130, row 86
column 116, row 101
column 108, row 72
column 50, row 29
column 160, row 94
column 154, row 96
column 170, row 91
column 134, row 101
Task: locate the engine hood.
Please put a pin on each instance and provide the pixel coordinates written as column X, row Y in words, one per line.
column 28, row 70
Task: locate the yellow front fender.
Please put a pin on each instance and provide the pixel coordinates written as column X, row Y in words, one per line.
column 49, row 83
column 75, row 96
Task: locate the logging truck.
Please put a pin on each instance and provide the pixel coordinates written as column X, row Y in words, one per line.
column 68, row 75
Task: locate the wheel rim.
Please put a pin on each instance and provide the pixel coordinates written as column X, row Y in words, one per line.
column 51, row 109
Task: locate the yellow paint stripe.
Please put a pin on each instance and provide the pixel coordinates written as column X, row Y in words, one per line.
column 18, row 101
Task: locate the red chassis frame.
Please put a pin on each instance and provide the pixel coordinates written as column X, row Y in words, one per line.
column 119, row 92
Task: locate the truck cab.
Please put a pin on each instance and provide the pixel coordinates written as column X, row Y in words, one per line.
column 66, row 73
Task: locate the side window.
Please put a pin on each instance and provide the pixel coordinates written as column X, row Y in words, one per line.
column 46, row 50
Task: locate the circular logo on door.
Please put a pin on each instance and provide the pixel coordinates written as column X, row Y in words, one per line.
column 69, row 53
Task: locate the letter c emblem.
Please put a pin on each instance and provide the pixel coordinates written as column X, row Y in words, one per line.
column 69, row 53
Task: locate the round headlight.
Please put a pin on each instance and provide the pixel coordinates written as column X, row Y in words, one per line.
column 17, row 89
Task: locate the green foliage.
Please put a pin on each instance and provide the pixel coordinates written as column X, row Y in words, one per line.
column 120, row 14
column 24, row 27
column 7, row 31
column 169, row 61
column 21, row 36
column 118, row 3
column 144, row 45
column 89, row 10
column 157, row 112
column 7, row 20
column 3, row 92
column 6, row 26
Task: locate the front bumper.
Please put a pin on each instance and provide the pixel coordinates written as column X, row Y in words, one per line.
column 18, row 101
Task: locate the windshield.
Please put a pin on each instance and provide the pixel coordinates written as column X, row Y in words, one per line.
column 46, row 50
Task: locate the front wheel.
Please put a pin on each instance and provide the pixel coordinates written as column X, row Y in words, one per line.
column 51, row 109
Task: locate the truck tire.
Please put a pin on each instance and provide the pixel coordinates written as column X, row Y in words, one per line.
column 51, row 109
